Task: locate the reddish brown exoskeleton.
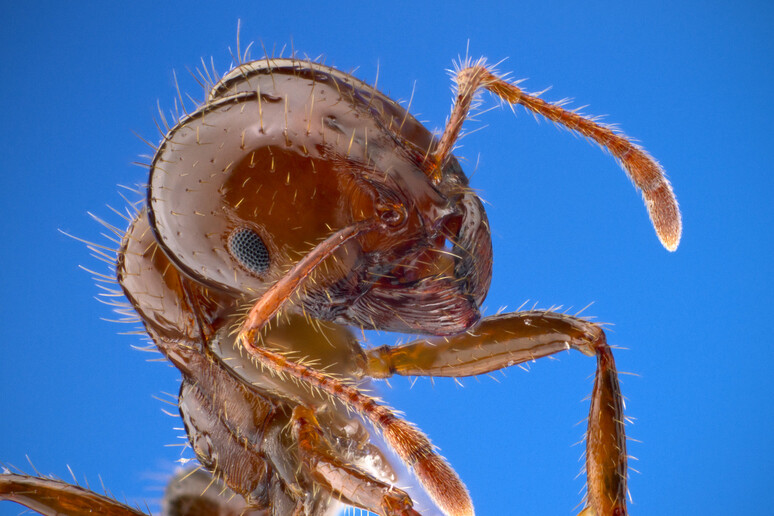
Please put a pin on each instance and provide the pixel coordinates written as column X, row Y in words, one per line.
column 297, row 202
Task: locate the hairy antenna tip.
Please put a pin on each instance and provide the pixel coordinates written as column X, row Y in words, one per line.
column 669, row 232
column 444, row 486
column 671, row 243
column 665, row 215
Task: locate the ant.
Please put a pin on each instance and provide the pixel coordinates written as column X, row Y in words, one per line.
column 294, row 204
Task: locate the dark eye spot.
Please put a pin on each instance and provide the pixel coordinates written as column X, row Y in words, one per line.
column 248, row 248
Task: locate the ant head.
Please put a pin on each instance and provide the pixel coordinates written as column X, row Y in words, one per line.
column 285, row 152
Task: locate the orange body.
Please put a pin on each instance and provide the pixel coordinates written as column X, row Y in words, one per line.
column 295, row 203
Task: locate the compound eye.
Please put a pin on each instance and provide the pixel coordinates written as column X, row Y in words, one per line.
column 249, row 250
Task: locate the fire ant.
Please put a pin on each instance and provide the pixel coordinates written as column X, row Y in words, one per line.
column 295, row 203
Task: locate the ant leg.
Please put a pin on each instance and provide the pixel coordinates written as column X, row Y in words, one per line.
column 504, row 340
column 412, row 446
column 494, row 343
column 345, row 481
column 644, row 171
column 50, row 496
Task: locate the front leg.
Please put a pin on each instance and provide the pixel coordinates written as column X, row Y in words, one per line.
column 508, row 339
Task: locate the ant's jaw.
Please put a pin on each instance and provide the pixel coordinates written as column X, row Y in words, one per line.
column 434, row 305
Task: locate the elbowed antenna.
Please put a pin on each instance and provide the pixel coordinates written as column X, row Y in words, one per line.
column 644, row 171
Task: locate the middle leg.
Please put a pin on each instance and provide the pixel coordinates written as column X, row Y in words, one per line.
column 508, row 339
column 494, row 343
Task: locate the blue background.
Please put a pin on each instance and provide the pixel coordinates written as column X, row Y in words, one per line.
column 691, row 80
